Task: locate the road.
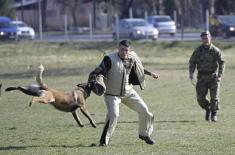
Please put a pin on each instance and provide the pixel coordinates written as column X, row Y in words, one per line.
column 108, row 37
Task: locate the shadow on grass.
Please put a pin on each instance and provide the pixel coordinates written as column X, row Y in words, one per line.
column 178, row 121
column 49, row 73
column 136, row 122
column 16, row 147
column 35, row 146
column 68, row 146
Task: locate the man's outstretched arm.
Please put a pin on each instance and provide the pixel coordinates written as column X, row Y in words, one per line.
column 154, row 75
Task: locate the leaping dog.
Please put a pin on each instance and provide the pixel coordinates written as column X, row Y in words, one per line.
column 63, row 101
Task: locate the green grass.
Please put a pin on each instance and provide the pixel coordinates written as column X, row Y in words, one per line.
column 179, row 125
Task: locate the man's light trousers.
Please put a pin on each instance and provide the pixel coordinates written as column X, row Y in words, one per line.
column 134, row 102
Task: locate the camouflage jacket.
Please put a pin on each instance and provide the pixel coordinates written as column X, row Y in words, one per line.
column 207, row 60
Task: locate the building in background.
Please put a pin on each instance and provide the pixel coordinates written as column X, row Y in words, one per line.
column 53, row 14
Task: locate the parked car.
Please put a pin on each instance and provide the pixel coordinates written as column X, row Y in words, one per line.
column 7, row 30
column 135, row 28
column 223, row 25
column 23, row 30
column 163, row 23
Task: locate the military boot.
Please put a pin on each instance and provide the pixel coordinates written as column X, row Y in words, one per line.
column 214, row 116
column 208, row 115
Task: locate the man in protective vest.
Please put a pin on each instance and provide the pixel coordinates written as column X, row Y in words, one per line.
column 121, row 70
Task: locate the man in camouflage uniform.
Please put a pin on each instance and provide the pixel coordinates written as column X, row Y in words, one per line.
column 210, row 65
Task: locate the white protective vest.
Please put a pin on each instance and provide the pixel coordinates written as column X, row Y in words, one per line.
column 116, row 75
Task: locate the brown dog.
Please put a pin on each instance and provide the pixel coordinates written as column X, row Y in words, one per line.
column 67, row 102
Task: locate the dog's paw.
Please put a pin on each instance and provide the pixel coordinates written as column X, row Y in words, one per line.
column 81, row 125
column 93, row 125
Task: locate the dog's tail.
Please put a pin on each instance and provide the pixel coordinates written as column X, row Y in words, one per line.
column 32, row 90
column 11, row 88
column 39, row 77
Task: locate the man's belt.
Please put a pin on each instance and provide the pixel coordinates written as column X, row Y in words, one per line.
column 206, row 72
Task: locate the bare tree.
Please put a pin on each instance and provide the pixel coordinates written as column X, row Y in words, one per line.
column 72, row 6
column 222, row 7
column 125, row 5
column 6, row 9
column 193, row 11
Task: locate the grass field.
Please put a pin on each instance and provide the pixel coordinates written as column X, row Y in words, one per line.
column 179, row 125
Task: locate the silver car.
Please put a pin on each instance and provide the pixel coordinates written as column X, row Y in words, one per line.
column 134, row 28
column 163, row 23
column 23, row 30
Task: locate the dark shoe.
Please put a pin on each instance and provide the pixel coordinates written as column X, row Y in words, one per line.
column 214, row 116
column 102, row 144
column 147, row 139
column 208, row 115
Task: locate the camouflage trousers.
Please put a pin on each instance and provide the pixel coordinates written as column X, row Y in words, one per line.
column 205, row 84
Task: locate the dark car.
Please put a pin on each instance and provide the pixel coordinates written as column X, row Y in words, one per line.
column 223, row 25
column 7, row 30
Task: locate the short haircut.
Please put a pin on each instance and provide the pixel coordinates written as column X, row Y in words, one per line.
column 205, row 33
column 126, row 43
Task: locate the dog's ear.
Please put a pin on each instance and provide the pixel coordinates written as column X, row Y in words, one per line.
column 86, row 87
column 81, row 85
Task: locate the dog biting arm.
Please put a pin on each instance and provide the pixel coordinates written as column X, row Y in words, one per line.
column 103, row 68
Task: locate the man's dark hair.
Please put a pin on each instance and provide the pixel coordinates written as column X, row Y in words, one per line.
column 126, row 43
column 205, row 33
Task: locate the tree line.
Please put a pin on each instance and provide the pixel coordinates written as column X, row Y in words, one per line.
column 192, row 11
